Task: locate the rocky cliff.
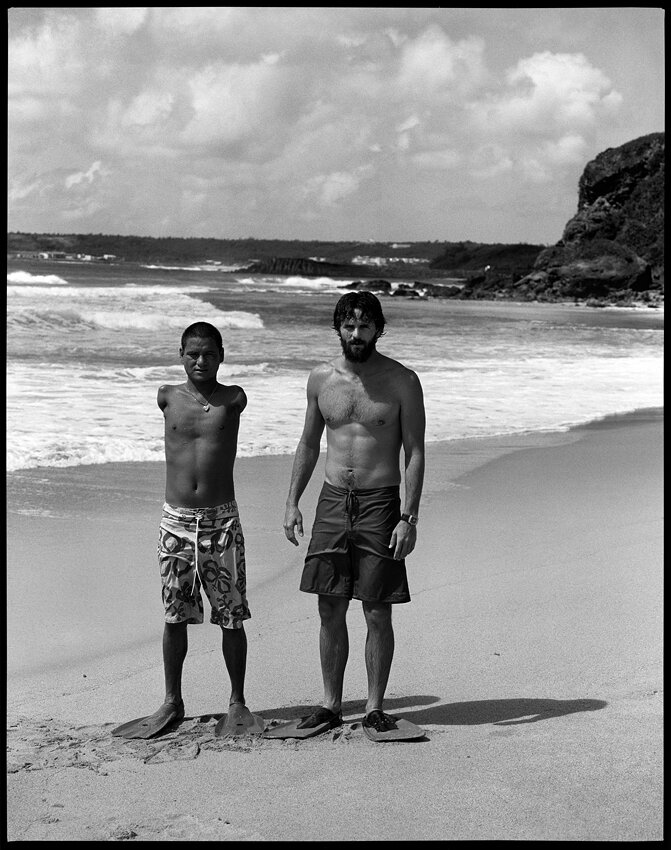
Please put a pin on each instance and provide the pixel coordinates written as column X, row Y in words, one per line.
column 612, row 250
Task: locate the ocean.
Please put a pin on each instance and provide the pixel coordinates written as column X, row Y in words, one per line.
column 88, row 345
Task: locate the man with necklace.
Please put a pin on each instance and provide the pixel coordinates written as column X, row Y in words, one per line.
column 201, row 544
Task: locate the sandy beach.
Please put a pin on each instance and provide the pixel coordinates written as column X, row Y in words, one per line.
column 531, row 654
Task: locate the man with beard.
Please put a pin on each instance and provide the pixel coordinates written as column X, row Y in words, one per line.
column 371, row 406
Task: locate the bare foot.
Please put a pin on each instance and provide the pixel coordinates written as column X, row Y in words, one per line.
column 238, row 712
column 170, row 711
column 146, row 727
column 239, row 721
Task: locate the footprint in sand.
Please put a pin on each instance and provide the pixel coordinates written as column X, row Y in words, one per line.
column 182, row 828
column 40, row 745
column 173, row 752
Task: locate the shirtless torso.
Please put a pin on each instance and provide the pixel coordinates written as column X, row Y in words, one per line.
column 200, row 445
column 371, row 410
column 361, row 413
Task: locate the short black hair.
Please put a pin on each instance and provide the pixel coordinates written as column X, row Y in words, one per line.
column 204, row 330
column 369, row 305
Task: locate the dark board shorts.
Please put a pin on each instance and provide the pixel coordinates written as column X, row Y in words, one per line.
column 349, row 554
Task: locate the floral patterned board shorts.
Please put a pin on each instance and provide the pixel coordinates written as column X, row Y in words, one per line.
column 203, row 547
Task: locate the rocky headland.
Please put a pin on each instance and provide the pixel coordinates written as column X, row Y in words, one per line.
column 611, row 251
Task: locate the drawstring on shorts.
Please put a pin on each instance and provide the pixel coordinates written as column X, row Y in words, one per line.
column 352, row 505
column 196, row 573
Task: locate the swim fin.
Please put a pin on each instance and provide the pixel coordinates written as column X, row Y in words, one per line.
column 239, row 721
column 147, row 727
column 380, row 727
column 321, row 720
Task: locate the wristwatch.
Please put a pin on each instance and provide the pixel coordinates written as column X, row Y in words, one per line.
column 411, row 519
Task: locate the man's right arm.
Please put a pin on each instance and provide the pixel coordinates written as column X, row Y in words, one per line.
column 306, row 457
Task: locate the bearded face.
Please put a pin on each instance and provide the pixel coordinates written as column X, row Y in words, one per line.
column 357, row 351
column 358, row 336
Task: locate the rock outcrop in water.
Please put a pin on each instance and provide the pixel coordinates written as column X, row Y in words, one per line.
column 300, row 266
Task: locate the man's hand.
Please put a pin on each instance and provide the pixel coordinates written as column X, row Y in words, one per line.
column 293, row 518
column 403, row 539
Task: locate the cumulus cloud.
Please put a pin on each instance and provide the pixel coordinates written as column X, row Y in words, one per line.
column 570, row 149
column 45, row 64
column 432, row 63
column 332, row 188
column 149, row 108
column 548, row 91
column 542, row 163
column 83, row 176
column 409, row 124
column 18, row 191
column 303, row 109
column 230, row 102
column 539, row 120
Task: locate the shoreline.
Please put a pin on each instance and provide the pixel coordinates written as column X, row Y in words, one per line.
column 531, row 654
column 492, row 445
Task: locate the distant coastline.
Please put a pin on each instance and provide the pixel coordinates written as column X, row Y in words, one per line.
column 435, row 259
column 424, row 270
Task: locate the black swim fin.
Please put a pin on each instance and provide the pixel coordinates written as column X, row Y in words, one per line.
column 147, row 727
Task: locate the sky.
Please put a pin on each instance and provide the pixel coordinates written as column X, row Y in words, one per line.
column 326, row 123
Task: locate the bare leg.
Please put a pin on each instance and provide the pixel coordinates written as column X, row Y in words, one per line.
column 234, row 648
column 379, row 651
column 175, row 646
column 333, row 648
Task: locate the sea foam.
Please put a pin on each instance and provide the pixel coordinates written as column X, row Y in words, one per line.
column 21, row 277
column 85, row 359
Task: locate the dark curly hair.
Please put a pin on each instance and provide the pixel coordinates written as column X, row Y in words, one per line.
column 370, row 307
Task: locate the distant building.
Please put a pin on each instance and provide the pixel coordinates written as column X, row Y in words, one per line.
column 387, row 261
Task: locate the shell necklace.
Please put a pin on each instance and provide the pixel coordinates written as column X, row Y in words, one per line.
column 206, row 405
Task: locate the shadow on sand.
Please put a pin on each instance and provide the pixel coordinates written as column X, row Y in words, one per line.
column 500, row 712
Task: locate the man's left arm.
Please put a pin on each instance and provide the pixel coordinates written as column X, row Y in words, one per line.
column 413, row 426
